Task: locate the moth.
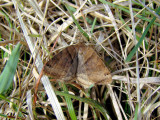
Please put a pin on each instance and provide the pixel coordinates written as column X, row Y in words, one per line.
column 80, row 63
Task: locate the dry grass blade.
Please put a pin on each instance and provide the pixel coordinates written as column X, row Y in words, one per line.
column 29, row 103
column 52, row 97
column 115, row 104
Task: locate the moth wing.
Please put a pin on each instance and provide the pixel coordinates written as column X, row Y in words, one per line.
column 91, row 69
column 62, row 66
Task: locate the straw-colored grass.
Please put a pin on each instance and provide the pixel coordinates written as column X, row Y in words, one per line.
column 124, row 33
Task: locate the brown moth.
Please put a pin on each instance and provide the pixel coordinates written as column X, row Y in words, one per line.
column 78, row 62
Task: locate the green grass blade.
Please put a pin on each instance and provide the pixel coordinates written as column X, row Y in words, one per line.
column 136, row 113
column 127, row 11
column 6, row 77
column 131, row 54
column 69, row 104
column 93, row 25
column 7, row 100
column 2, row 52
column 90, row 102
column 9, row 22
column 3, row 116
column 76, row 22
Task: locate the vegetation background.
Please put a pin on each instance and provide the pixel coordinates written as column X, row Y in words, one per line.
column 125, row 33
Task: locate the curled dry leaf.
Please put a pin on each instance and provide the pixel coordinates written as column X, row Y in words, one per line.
column 81, row 63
